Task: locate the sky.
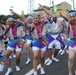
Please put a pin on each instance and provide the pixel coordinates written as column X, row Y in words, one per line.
column 22, row 5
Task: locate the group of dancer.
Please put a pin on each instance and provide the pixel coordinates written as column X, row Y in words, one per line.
column 41, row 34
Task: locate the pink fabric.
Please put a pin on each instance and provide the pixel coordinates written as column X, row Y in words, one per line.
column 44, row 19
column 74, row 30
column 14, row 32
column 39, row 30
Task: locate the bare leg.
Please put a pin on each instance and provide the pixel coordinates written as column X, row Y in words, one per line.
column 70, row 60
column 28, row 50
column 50, row 53
column 18, row 60
column 56, row 52
column 8, row 53
column 42, row 53
column 35, row 59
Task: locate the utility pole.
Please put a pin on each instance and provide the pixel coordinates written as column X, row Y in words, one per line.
column 73, row 4
column 50, row 3
column 53, row 5
column 31, row 6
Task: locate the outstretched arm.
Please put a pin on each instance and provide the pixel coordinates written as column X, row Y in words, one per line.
column 2, row 26
column 19, row 16
column 47, row 11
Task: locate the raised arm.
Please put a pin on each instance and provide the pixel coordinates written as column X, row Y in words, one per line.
column 19, row 16
column 63, row 16
column 2, row 26
column 47, row 11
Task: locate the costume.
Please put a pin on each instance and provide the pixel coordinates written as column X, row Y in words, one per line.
column 72, row 35
column 15, row 35
column 53, row 35
column 38, row 33
column 3, row 60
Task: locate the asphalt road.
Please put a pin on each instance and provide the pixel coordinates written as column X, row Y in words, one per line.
column 56, row 68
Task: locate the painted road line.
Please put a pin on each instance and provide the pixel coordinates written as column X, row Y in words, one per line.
column 32, row 71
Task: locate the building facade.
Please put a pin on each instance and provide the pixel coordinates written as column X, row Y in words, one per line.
column 64, row 8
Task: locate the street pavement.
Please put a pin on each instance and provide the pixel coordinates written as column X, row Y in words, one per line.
column 56, row 68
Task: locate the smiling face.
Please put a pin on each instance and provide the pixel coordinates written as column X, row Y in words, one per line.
column 37, row 19
column 72, row 18
column 11, row 23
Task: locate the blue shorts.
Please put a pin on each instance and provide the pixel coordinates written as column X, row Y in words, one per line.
column 29, row 37
column 38, row 43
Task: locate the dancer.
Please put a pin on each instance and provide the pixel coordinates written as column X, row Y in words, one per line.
column 3, row 60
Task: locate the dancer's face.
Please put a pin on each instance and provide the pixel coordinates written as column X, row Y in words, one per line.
column 30, row 20
column 10, row 23
column 54, row 19
column 37, row 20
column 72, row 18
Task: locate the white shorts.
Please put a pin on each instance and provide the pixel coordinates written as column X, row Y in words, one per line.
column 36, row 48
column 72, row 48
column 28, row 41
column 17, row 49
column 55, row 43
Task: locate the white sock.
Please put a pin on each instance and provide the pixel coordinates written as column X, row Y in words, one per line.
column 42, row 70
column 17, row 68
column 35, row 73
column 28, row 60
column 49, row 63
column 8, row 71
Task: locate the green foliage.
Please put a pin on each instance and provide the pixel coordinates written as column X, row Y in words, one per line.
column 3, row 18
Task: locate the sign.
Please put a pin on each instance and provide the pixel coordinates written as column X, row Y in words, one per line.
column 55, row 8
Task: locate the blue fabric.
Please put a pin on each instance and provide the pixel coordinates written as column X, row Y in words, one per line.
column 65, row 26
column 70, row 43
column 12, row 43
column 20, row 24
column 61, row 42
column 3, row 58
column 72, row 14
column 1, row 53
column 29, row 37
column 50, row 38
column 38, row 43
column 1, row 37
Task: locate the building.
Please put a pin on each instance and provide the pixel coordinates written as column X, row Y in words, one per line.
column 64, row 8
